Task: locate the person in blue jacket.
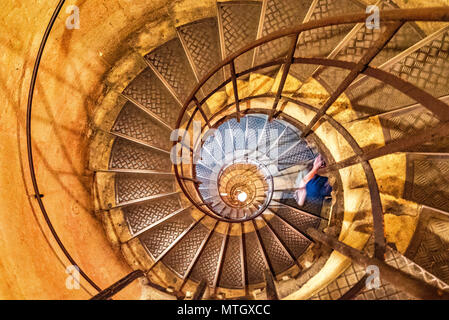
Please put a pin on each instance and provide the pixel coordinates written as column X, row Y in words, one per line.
column 313, row 186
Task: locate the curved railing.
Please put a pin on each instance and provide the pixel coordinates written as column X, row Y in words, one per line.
column 186, row 179
column 36, row 188
column 394, row 18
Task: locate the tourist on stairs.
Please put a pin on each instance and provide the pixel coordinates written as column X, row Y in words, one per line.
column 313, row 186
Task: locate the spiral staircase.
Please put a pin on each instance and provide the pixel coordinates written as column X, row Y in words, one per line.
column 202, row 158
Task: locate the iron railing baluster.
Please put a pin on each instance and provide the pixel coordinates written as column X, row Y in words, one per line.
column 359, row 68
column 236, row 90
column 286, row 71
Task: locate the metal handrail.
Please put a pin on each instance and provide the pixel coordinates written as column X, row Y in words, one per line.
column 404, row 15
column 400, row 16
column 38, row 195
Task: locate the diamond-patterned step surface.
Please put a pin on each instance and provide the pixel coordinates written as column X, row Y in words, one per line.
column 270, row 136
column 429, row 247
column 291, row 238
column 202, row 42
column 208, row 261
column 353, row 51
column 208, row 157
column 355, row 47
column 310, row 206
column 409, row 263
column 256, row 125
column 151, row 93
column 160, row 238
column 232, row 270
column 238, row 130
column 135, row 123
column 426, row 68
column 203, row 171
column 349, row 278
column 254, row 258
column 408, row 35
column 172, row 64
column 428, row 180
column 239, row 22
column 280, row 14
column 321, row 41
column 208, row 194
column 142, row 215
column 129, row 155
column 412, row 121
column 224, row 132
column 183, row 254
column 287, row 140
column 386, row 291
column 212, row 147
column 135, row 186
column 300, row 153
column 277, row 255
column 301, row 222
